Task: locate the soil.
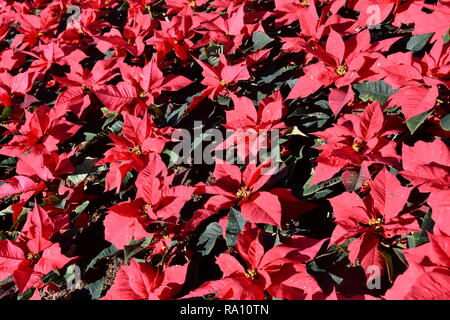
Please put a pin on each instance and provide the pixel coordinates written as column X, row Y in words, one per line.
column 113, row 266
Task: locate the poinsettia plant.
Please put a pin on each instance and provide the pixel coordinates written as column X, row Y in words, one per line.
column 224, row 149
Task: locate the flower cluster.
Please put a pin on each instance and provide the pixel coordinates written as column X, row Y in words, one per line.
column 350, row 201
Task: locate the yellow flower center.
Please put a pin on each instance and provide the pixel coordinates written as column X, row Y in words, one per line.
column 40, row 34
column 251, row 273
column 304, row 4
column 32, row 256
column 136, row 150
column 143, row 94
column 311, row 44
column 242, row 192
column 377, row 223
column 223, row 83
column 192, row 4
column 358, row 146
column 145, row 210
column 86, row 87
column 341, row 70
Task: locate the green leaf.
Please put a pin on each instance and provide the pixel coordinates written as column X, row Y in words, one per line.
column 173, row 116
column 111, row 250
column 173, row 157
column 7, row 211
column 417, row 43
column 389, row 262
column 316, row 269
column 400, row 256
column 260, row 40
column 79, row 210
column 323, row 193
column 270, row 229
column 22, row 216
column 53, row 277
column 415, row 122
column 324, row 104
column 272, row 73
column 129, row 175
column 88, row 136
column 95, row 289
column 132, row 249
column 110, row 52
column 314, row 120
column 445, row 122
column 26, row 295
column 107, row 113
column 395, row 262
column 447, row 36
column 115, row 127
column 8, row 162
column 211, row 53
column 147, row 241
column 8, row 280
column 309, row 190
column 207, row 240
column 235, row 224
column 374, row 91
column 82, row 170
column 427, row 223
column 224, row 101
column 419, row 238
column 6, row 112
column 82, row 206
